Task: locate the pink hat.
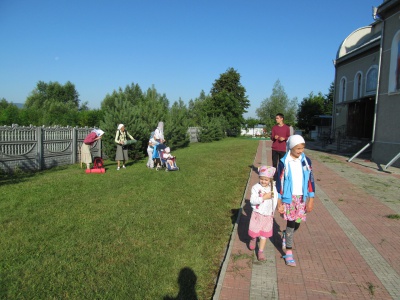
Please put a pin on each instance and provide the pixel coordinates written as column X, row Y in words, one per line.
column 266, row 171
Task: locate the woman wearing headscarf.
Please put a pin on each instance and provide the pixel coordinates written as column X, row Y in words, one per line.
column 159, row 133
column 121, row 137
column 86, row 155
column 150, row 149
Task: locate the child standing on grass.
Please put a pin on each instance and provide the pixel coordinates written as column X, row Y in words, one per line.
column 263, row 200
column 296, row 191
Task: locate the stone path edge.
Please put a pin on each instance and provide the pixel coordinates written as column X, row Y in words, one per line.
column 226, row 258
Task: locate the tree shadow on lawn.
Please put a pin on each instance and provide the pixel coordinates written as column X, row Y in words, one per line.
column 19, row 176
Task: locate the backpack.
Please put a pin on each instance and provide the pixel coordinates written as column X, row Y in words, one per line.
column 98, row 163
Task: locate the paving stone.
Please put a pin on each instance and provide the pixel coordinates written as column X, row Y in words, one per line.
column 347, row 249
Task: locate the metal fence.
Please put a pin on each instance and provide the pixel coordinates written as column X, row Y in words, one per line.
column 38, row 148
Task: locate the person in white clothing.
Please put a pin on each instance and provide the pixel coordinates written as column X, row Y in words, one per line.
column 169, row 157
column 159, row 133
column 150, row 149
column 263, row 200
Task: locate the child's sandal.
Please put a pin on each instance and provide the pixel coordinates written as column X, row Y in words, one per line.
column 252, row 244
column 289, row 260
column 261, row 256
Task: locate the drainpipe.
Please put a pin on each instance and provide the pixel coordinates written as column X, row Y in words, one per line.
column 376, row 97
column 334, row 105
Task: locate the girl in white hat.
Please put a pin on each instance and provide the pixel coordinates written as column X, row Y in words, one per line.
column 296, row 190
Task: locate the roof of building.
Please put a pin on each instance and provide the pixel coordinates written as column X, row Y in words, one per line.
column 367, row 36
column 359, row 38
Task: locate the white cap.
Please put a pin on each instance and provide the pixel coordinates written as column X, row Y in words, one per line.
column 294, row 140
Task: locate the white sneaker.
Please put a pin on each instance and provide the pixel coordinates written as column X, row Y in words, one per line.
column 118, row 169
column 123, row 167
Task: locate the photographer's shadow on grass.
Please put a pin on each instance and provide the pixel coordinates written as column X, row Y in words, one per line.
column 187, row 286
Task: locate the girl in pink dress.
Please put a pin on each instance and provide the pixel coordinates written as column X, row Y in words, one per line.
column 263, row 200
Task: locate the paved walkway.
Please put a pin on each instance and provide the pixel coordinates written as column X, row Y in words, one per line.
column 348, row 249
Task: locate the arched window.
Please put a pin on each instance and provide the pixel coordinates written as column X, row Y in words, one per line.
column 394, row 70
column 371, row 80
column 357, row 92
column 342, row 89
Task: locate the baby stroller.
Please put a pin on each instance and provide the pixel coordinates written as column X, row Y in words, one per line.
column 156, row 156
column 161, row 162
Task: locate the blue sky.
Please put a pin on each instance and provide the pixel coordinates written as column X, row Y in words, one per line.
column 179, row 46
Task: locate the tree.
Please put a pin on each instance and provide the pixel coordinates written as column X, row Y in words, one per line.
column 122, row 112
column 278, row 102
column 309, row 108
column 9, row 113
column 251, row 123
column 176, row 132
column 53, row 104
column 132, row 93
column 198, row 109
column 328, row 102
column 29, row 116
column 229, row 100
column 90, row 117
column 3, row 103
column 212, row 129
column 140, row 113
column 154, row 108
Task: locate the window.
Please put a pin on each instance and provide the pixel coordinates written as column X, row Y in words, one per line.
column 398, row 67
column 342, row 89
column 394, row 73
column 357, row 92
column 372, row 80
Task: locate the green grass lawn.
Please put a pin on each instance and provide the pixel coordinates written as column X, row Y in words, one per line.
column 136, row 233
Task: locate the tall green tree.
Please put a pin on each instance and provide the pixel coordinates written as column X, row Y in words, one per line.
column 315, row 105
column 229, row 100
column 278, row 102
column 9, row 113
column 53, row 104
column 311, row 106
column 122, row 112
column 90, row 117
column 140, row 113
column 3, row 103
column 212, row 129
column 132, row 93
column 198, row 109
column 30, row 116
column 328, row 103
column 176, row 133
column 154, row 108
column 251, row 123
